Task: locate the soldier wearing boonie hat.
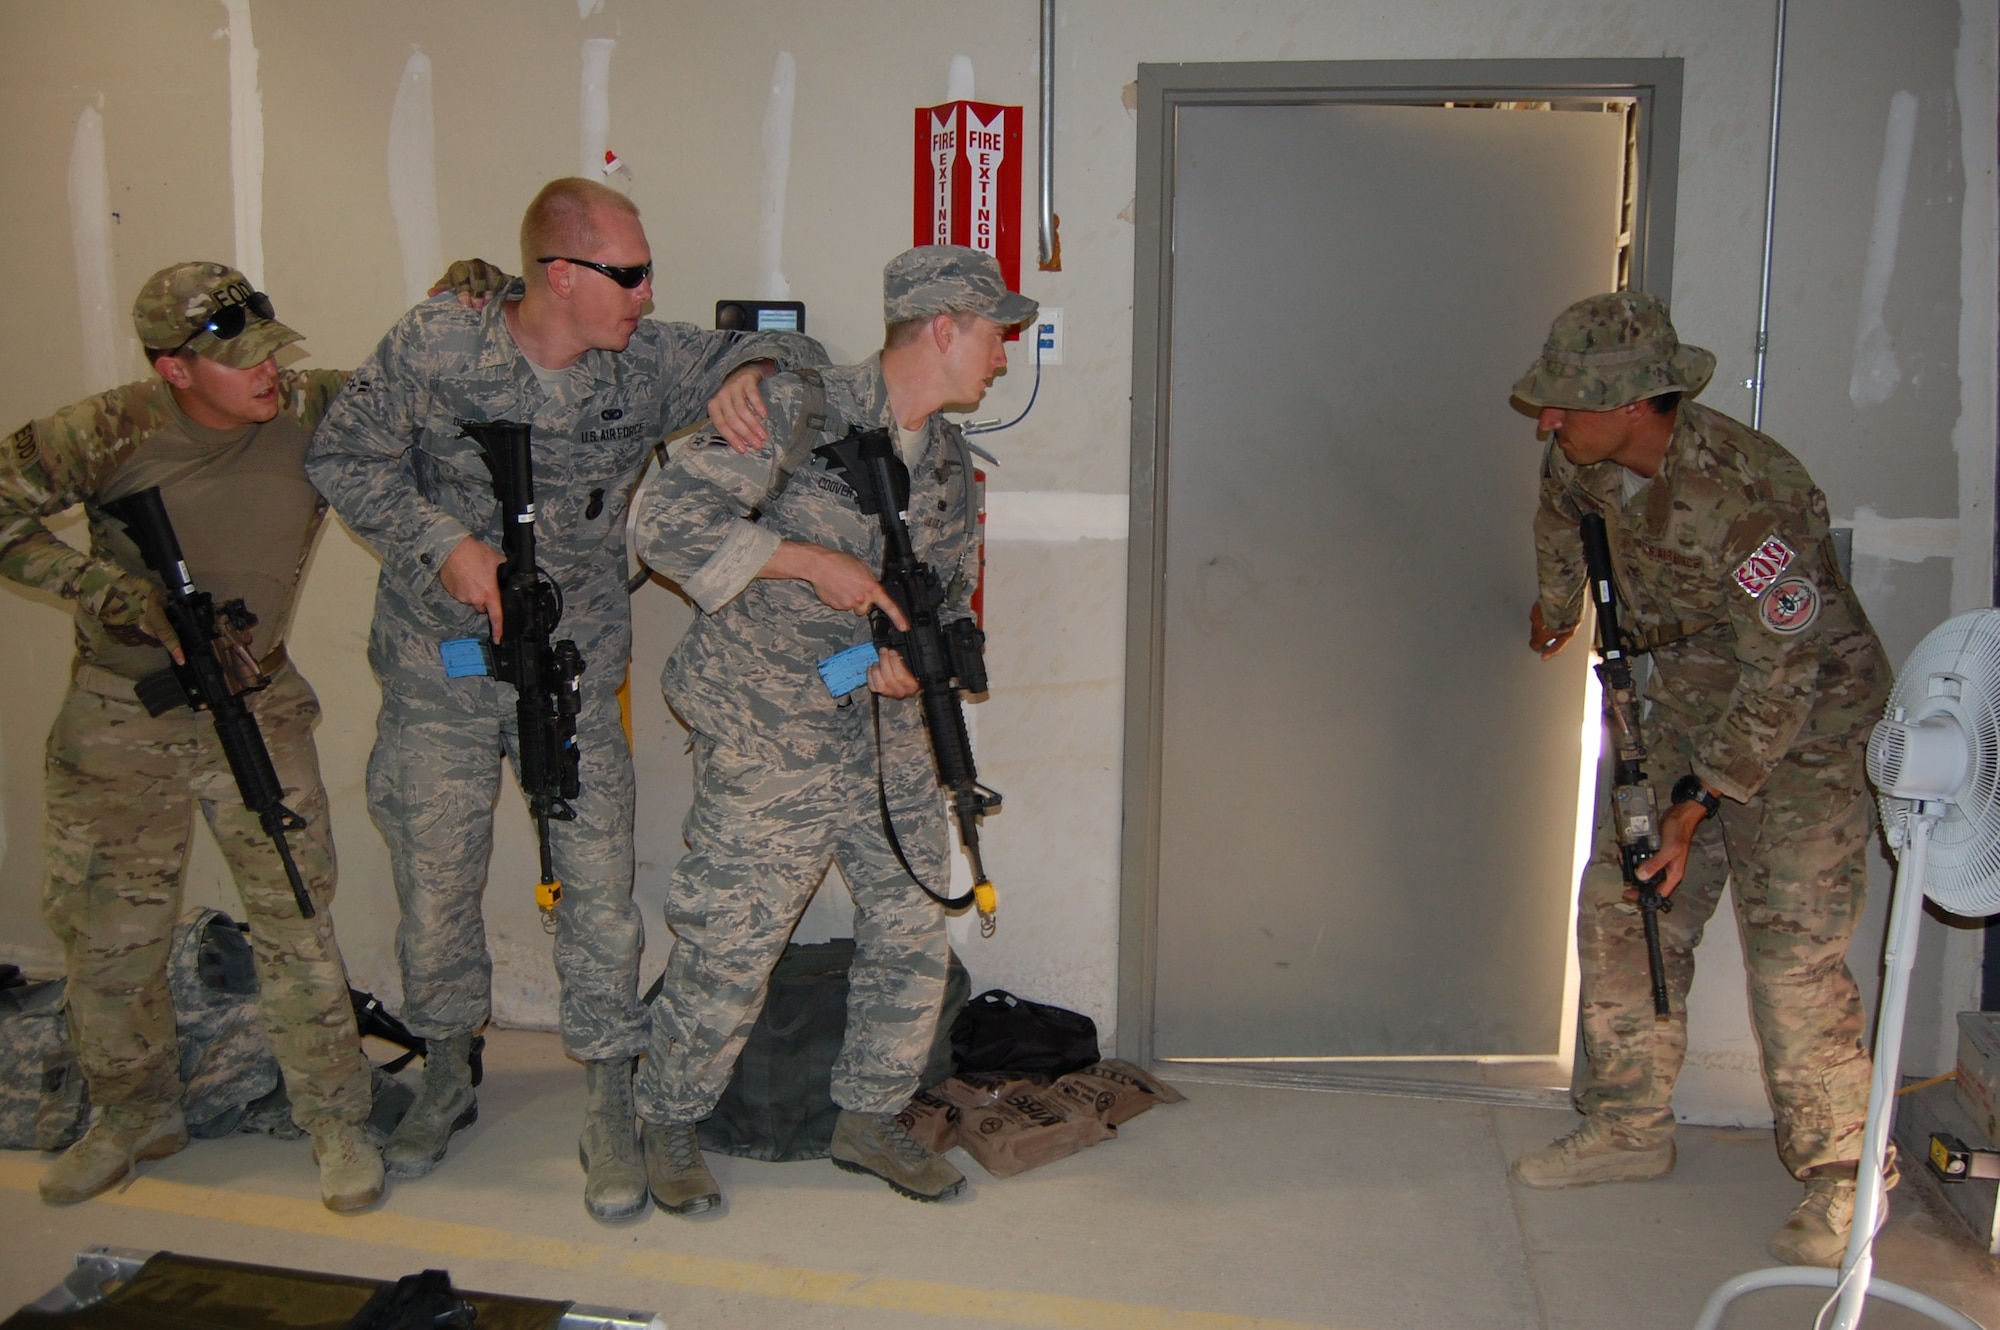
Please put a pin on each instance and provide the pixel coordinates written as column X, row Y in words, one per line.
column 786, row 772
column 222, row 433
column 210, row 310
column 1611, row 350
column 1766, row 679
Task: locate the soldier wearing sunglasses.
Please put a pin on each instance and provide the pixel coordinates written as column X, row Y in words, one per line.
column 567, row 352
column 222, row 432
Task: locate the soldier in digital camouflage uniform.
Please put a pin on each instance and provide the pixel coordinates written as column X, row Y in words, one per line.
column 779, row 560
column 222, row 431
column 1766, row 679
column 566, row 352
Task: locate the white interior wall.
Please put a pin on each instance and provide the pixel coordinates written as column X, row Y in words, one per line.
column 685, row 106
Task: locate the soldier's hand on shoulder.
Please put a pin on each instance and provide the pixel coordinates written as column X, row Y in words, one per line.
column 737, row 410
column 473, row 281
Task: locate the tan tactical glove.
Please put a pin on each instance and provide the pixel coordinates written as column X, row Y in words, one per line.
column 135, row 613
column 473, row 281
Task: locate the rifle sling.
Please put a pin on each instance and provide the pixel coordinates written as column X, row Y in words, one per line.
column 889, row 823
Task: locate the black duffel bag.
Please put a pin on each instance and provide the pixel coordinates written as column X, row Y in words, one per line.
column 1000, row 1032
column 779, row 1103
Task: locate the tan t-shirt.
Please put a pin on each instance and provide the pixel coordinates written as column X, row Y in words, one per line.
column 243, row 512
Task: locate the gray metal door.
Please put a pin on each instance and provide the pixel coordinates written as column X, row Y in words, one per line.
column 1367, row 784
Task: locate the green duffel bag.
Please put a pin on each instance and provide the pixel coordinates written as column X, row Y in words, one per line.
column 779, row 1103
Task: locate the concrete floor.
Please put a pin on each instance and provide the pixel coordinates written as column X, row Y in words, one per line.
column 1241, row 1207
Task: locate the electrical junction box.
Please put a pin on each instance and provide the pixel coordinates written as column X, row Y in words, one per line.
column 1978, row 1078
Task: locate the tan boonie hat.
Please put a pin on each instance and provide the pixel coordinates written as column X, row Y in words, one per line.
column 198, row 304
column 1611, row 350
column 950, row 279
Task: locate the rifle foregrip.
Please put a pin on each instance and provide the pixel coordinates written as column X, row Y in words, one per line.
column 949, row 741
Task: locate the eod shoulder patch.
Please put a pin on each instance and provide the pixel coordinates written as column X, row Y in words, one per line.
column 1764, row 566
column 1791, row 607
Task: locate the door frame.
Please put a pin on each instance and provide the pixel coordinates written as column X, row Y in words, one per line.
column 1655, row 86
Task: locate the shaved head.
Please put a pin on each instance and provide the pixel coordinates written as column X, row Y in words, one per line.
column 562, row 221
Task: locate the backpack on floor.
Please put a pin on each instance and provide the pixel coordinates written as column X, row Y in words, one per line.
column 230, row 1077
column 43, row 1101
column 779, row 1102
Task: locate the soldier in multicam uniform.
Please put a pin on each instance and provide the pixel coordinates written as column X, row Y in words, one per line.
column 568, row 353
column 1766, row 678
column 778, row 558
column 223, row 433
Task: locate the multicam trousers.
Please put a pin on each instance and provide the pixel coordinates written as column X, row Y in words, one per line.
column 767, row 820
column 1795, row 858
column 121, row 790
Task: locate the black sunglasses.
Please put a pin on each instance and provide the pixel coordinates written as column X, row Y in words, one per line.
column 628, row 277
column 228, row 321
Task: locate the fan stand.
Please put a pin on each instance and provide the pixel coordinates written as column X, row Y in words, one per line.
column 1853, row 1278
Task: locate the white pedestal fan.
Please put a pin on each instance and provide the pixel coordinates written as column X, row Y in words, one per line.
column 1935, row 762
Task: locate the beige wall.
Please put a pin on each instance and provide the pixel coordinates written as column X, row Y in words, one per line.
column 688, row 90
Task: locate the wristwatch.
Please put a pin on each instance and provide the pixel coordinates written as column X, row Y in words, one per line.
column 1689, row 790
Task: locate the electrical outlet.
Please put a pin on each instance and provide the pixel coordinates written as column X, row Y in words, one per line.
column 1047, row 337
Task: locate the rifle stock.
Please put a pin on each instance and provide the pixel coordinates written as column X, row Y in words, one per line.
column 944, row 658
column 1634, row 810
column 546, row 674
column 204, row 682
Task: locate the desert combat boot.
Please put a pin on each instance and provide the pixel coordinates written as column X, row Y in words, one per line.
column 444, row 1105
column 675, row 1171
column 120, row 1138
column 614, row 1183
column 1817, row 1232
column 875, row 1143
column 1592, row 1154
column 350, row 1167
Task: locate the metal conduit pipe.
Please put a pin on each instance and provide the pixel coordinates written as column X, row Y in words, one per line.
column 1051, row 243
column 1756, row 383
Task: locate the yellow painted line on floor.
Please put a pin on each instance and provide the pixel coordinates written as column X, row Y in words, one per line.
column 752, row 1278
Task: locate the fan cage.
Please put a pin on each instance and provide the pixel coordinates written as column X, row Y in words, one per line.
column 1964, row 861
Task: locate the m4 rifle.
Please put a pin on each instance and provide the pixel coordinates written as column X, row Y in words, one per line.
column 1634, row 811
column 214, row 673
column 945, row 658
column 546, row 674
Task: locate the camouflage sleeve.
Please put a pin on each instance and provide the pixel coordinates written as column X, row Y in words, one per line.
column 696, row 521
column 962, row 578
column 308, row 392
column 51, row 465
column 700, row 359
column 360, row 459
column 1778, row 653
column 1559, row 569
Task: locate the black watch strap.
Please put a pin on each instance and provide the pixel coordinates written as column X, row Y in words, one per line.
column 1689, row 790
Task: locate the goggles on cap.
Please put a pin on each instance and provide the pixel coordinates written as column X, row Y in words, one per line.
column 628, row 277
column 229, row 320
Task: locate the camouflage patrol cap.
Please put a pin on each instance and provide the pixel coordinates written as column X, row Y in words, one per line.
column 1611, row 350
column 177, row 304
column 950, row 279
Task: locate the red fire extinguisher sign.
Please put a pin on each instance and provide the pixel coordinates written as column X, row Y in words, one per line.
column 968, row 181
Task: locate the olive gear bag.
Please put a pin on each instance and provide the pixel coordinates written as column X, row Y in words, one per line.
column 779, row 1105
